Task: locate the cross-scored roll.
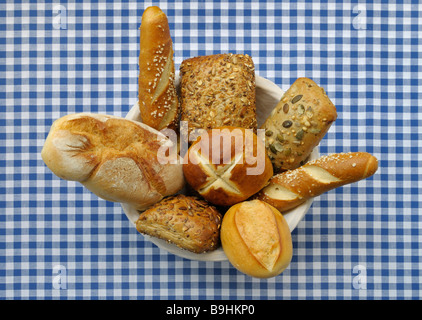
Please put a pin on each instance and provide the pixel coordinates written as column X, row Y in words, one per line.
column 227, row 165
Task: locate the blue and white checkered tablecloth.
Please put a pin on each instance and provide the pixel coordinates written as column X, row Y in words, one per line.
column 361, row 241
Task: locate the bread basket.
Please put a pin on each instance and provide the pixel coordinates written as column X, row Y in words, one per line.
column 268, row 95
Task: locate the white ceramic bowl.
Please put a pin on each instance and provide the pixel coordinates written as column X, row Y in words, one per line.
column 268, row 94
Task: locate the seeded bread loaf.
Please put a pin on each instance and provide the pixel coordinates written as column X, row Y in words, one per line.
column 158, row 101
column 297, row 124
column 289, row 189
column 218, row 90
column 186, row 221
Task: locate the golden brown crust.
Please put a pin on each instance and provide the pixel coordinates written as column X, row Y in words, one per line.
column 158, row 101
column 256, row 239
column 113, row 157
column 218, row 90
column 226, row 181
column 289, row 189
column 186, row 221
column 297, row 124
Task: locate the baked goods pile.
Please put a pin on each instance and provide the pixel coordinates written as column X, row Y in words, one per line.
column 234, row 181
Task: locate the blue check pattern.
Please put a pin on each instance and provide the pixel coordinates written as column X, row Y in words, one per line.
column 361, row 241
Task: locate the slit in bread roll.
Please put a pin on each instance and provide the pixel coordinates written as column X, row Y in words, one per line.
column 256, row 239
column 115, row 158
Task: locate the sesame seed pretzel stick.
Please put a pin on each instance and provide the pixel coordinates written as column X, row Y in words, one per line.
column 289, row 189
column 158, row 101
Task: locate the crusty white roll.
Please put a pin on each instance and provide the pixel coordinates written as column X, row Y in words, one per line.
column 158, row 101
column 117, row 159
column 289, row 189
column 227, row 165
column 256, row 239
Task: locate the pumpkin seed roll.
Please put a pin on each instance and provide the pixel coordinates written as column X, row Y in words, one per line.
column 297, row 124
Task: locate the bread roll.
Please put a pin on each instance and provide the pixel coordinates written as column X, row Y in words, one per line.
column 297, row 124
column 289, row 189
column 158, row 101
column 115, row 158
column 227, row 165
column 256, row 239
column 217, row 90
column 186, row 221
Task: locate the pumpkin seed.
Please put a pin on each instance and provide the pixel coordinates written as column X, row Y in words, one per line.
column 287, row 124
column 286, row 108
column 273, row 149
column 268, row 133
column 280, row 137
column 300, row 134
column 301, row 110
column 297, row 98
column 278, row 146
column 287, row 152
column 314, row 130
column 309, row 112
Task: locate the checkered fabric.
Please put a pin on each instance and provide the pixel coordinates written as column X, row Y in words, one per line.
column 361, row 241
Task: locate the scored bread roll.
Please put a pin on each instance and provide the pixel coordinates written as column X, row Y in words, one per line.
column 289, row 189
column 187, row 221
column 158, row 101
column 115, row 158
column 256, row 239
column 227, row 165
column 297, row 124
column 217, row 90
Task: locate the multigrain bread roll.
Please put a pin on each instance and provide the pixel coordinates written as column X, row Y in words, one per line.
column 256, row 239
column 158, row 101
column 227, row 165
column 297, row 124
column 289, row 189
column 117, row 159
column 217, row 90
column 186, row 221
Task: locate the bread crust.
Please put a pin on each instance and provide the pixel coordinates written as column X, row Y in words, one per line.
column 297, row 124
column 187, row 221
column 289, row 189
column 227, row 181
column 113, row 157
column 218, row 90
column 239, row 252
column 158, row 101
